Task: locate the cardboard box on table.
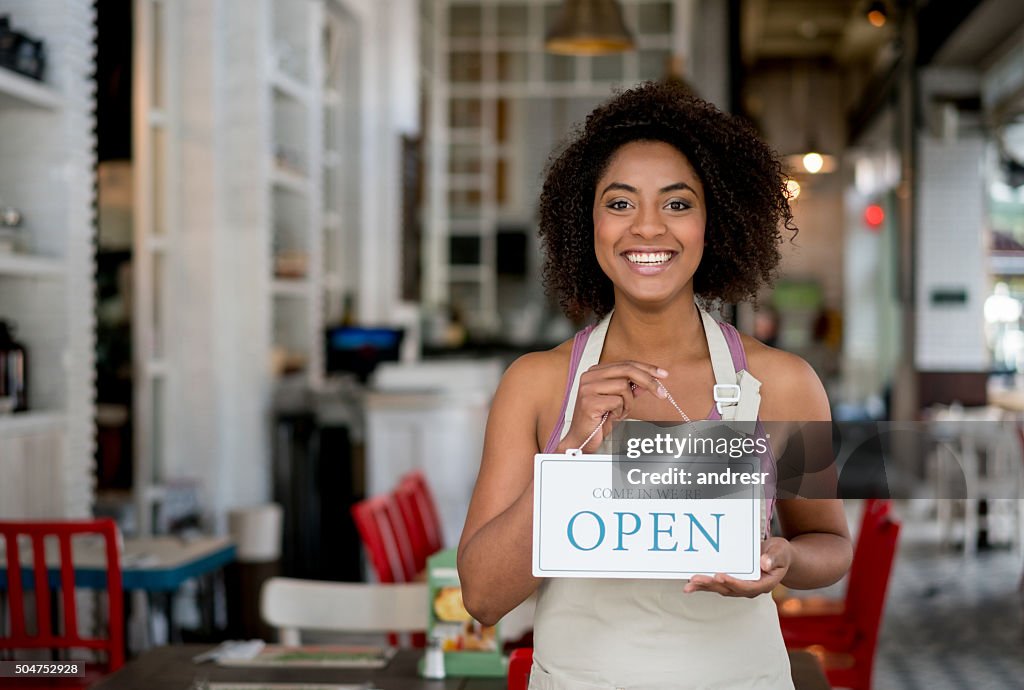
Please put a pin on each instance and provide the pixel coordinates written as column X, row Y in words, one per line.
column 470, row 649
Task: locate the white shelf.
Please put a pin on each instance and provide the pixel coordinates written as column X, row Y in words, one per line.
column 30, row 422
column 27, row 265
column 290, row 86
column 290, row 287
column 288, row 179
column 19, row 91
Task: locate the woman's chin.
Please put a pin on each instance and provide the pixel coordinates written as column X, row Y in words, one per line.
column 653, row 298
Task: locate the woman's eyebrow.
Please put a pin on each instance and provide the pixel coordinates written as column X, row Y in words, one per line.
column 619, row 186
column 678, row 186
column 622, row 186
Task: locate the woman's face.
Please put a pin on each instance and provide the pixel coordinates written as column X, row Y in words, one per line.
column 649, row 216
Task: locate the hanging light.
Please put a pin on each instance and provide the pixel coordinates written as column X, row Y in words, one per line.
column 877, row 14
column 589, row 27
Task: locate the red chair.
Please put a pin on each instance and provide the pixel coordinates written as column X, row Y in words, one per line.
column 417, row 485
column 46, row 637
column 520, row 661
column 845, row 643
column 419, row 517
column 820, row 620
column 382, row 530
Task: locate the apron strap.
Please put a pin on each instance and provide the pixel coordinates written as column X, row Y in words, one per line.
column 737, row 394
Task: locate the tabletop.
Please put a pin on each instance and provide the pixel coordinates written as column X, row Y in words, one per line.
column 147, row 563
column 171, row 668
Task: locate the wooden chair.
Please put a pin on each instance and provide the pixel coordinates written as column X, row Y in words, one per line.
column 845, row 642
column 292, row 605
column 65, row 634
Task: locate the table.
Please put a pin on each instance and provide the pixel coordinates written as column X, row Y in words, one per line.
column 155, row 565
column 171, row 668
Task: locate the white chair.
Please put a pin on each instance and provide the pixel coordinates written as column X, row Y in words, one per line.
column 292, row 605
column 981, row 448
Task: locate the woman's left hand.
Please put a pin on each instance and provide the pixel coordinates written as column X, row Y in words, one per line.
column 776, row 556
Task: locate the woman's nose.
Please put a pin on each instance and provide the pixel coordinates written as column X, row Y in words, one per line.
column 648, row 223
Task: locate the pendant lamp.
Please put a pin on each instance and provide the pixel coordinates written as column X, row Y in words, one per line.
column 589, row 27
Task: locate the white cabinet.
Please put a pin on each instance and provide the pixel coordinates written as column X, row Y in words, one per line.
column 431, row 417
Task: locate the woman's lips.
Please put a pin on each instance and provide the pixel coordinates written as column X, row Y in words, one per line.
column 648, row 262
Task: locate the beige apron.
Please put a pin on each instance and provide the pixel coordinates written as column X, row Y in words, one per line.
column 646, row 634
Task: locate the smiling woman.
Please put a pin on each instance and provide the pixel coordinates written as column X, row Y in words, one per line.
column 746, row 203
column 659, row 205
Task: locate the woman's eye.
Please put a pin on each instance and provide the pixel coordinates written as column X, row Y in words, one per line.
column 677, row 205
column 619, row 205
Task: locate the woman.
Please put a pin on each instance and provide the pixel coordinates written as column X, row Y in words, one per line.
column 659, row 201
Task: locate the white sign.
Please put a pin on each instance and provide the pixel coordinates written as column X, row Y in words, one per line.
column 587, row 524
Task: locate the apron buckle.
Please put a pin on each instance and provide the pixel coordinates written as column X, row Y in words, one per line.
column 726, row 394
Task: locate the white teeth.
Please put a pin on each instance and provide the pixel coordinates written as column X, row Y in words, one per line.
column 648, row 258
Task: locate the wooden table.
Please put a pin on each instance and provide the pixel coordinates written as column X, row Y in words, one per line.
column 171, row 668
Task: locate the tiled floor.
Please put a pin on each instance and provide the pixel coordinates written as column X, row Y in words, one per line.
column 951, row 622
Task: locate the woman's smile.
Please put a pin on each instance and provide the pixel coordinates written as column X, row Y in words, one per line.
column 649, row 261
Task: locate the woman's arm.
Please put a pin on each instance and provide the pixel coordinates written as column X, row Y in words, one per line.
column 815, row 549
column 495, row 553
column 819, row 541
column 494, row 560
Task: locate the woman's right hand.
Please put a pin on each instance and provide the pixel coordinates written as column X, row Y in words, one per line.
column 607, row 388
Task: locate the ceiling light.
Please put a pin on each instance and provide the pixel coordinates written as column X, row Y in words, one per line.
column 813, row 162
column 589, row 27
column 877, row 14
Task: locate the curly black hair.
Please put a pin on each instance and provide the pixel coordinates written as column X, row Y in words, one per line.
column 744, row 188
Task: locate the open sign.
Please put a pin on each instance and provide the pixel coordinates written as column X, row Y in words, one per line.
column 587, row 525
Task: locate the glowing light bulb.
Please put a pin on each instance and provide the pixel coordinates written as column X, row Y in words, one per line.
column 813, row 162
column 792, row 189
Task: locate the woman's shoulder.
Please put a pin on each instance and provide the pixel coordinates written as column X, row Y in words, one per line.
column 540, row 368
column 790, row 388
column 537, row 375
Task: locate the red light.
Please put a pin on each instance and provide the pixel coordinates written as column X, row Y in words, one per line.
column 874, row 216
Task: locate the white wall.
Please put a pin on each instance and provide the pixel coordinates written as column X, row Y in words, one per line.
column 951, row 253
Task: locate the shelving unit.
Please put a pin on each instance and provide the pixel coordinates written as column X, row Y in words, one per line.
column 309, row 90
column 47, row 143
column 294, row 87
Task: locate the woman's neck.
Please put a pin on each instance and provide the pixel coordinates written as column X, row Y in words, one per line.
column 675, row 331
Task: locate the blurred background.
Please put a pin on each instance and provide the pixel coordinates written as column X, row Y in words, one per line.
column 270, row 255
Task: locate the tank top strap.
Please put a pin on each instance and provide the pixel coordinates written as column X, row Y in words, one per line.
column 579, row 343
column 732, row 338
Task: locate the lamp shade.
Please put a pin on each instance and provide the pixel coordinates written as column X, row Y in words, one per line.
column 589, row 27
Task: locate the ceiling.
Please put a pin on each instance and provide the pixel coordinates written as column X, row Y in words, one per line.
column 836, row 30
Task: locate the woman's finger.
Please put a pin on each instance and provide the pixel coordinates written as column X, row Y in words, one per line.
column 638, row 374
